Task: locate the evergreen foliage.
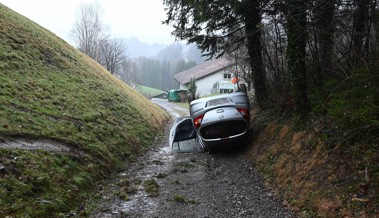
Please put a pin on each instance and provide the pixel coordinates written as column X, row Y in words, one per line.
column 192, row 87
column 220, row 26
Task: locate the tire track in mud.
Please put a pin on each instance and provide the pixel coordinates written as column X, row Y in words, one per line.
column 34, row 144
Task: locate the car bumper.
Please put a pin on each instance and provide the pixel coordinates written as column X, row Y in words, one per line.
column 230, row 134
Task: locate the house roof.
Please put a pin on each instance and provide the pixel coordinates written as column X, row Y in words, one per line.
column 203, row 70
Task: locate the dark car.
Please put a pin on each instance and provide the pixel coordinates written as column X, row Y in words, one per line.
column 214, row 121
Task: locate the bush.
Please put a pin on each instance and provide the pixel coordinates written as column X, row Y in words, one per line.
column 354, row 104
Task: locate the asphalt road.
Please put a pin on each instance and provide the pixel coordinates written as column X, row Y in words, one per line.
column 172, row 108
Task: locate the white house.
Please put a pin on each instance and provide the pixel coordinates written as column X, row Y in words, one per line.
column 212, row 77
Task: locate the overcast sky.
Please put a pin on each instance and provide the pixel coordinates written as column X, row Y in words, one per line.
column 125, row 18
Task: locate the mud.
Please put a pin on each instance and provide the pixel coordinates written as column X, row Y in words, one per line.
column 25, row 143
column 191, row 183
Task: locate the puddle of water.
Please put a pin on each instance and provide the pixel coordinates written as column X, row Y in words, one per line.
column 140, row 201
column 164, row 151
column 159, row 161
column 187, row 146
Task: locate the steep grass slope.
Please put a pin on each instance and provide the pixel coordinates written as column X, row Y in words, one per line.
column 49, row 90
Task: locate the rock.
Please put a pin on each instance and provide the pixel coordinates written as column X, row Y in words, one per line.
column 3, row 169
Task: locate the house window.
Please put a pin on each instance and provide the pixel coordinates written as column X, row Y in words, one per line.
column 223, row 91
column 227, row 75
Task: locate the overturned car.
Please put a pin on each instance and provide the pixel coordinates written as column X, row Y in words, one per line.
column 214, row 121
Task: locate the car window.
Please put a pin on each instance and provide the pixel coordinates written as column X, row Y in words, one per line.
column 218, row 101
column 183, row 136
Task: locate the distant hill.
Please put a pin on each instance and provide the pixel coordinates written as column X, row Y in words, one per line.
column 136, row 48
column 173, row 52
column 50, row 90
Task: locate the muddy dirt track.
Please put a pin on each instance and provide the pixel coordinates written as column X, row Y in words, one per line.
column 189, row 184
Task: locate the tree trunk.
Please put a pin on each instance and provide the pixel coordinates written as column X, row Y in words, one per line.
column 252, row 24
column 359, row 30
column 325, row 11
column 296, row 54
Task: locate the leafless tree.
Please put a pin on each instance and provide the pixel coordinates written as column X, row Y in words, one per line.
column 88, row 29
column 240, row 56
column 126, row 72
column 274, row 47
column 112, row 54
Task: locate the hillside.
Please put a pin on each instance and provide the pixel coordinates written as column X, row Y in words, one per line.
column 50, row 90
column 318, row 168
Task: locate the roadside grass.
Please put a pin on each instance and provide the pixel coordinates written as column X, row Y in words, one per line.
column 183, row 167
column 38, row 183
column 127, row 187
column 151, row 187
column 327, row 164
column 161, row 175
column 48, row 89
column 176, row 182
column 182, row 199
column 184, row 105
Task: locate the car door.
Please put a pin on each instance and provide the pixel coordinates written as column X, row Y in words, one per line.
column 182, row 130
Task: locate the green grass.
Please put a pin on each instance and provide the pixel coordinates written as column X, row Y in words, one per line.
column 151, row 187
column 38, row 183
column 48, row 89
column 148, row 91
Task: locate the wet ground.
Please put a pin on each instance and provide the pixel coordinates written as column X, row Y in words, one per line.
column 189, row 183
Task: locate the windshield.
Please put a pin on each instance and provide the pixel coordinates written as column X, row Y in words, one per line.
column 218, row 101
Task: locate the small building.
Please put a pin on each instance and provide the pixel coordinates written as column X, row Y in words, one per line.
column 212, row 77
column 177, row 95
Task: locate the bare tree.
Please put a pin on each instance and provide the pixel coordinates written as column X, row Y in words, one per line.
column 127, row 72
column 88, row 29
column 112, row 54
column 274, row 48
column 241, row 58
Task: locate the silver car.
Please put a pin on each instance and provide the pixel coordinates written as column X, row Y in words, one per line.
column 214, row 121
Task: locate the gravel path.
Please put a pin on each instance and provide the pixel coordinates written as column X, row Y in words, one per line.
column 194, row 184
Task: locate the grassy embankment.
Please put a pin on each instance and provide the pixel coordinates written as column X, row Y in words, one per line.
column 50, row 90
column 325, row 165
